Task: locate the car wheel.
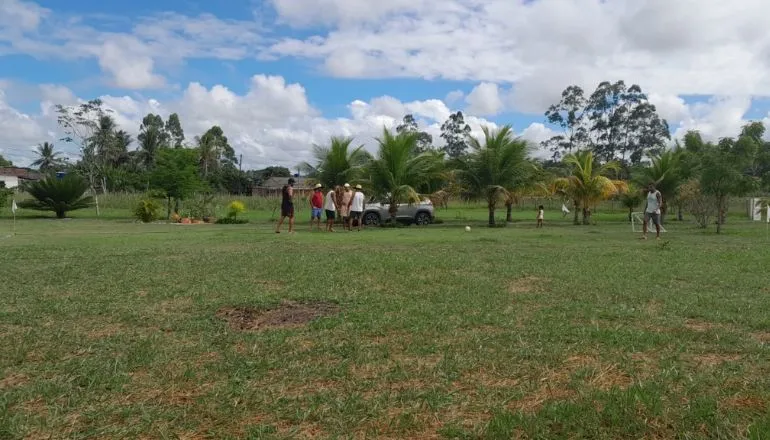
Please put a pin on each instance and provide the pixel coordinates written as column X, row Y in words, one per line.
column 371, row 219
column 422, row 219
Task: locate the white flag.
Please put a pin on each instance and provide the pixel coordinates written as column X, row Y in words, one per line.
column 13, row 206
column 768, row 213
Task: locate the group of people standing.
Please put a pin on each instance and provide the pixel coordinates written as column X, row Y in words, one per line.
column 342, row 201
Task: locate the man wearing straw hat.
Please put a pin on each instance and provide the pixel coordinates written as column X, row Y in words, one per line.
column 344, row 208
column 357, row 208
column 316, row 206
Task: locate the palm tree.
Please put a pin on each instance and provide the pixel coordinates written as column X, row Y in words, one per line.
column 103, row 140
column 149, row 144
column 213, row 146
column 666, row 173
column 337, row 163
column 48, row 159
column 58, row 195
column 496, row 166
column 397, row 170
column 120, row 151
column 630, row 199
column 209, row 154
column 588, row 184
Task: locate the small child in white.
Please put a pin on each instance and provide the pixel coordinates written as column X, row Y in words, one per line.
column 540, row 214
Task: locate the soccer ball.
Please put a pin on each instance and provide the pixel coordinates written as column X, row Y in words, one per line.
column 467, row 229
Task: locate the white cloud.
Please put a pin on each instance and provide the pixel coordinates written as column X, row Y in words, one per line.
column 454, row 96
column 484, row 99
column 20, row 15
column 132, row 56
column 719, row 117
column 19, row 132
column 273, row 123
column 532, row 48
column 536, row 133
column 127, row 60
column 544, row 45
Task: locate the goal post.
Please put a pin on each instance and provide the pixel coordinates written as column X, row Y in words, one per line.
column 637, row 222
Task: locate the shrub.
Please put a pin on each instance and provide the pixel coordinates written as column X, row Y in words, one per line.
column 232, row 221
column 236, row 207
column 147, row 211
column 5, row 193
column 700, row 205
column 201, row 207
column 58, row 195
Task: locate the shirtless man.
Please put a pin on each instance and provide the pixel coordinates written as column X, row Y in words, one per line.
column 287, row 206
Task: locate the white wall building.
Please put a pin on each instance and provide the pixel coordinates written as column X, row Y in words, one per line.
column 11, row 177
column 9, row 181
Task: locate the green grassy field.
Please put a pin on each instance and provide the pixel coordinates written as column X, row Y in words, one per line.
column 109, row 329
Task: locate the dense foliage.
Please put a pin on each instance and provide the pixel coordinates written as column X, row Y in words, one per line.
column 611, row 144
column 58, row 195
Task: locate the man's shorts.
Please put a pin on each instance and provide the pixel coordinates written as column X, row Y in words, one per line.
column 330, row 215
column 287, row 210
column 355, row 215
column 654, row 216
column 315, row 213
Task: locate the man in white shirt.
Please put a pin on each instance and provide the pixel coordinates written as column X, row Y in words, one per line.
column 652, row 210
column 331, row 210
column 357, row 208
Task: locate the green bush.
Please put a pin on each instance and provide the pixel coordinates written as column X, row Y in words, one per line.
column 5, row 194
column 147, row 210
column 58, row 195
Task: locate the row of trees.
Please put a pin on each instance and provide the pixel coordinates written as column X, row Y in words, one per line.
column 616, row 122
column 611, row 145
column 111, row 160
column 696, row 176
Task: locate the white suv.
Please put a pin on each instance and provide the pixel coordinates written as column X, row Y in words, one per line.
column 420, row 213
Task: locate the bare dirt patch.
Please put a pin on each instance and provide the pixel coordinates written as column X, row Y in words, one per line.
column 288, row 314
column 713, row 359
column 700, row 326
column 763, row 337
column 528, row 284
column 654, row 307
column 554, row 384
column 106, row 330
column 490, row 379
column 745, row 403
column 13, row 380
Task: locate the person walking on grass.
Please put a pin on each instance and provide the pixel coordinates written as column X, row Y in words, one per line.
column 357, row 208
column 287, row 206
column 344, row 208
column 652, row 210
column 540, row 215
column 316, row 206
column 330, row 207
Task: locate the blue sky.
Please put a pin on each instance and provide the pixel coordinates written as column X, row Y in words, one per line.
column 281, row 75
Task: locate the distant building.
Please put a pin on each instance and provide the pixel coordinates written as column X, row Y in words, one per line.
column 11, row 177
column 272, row 187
